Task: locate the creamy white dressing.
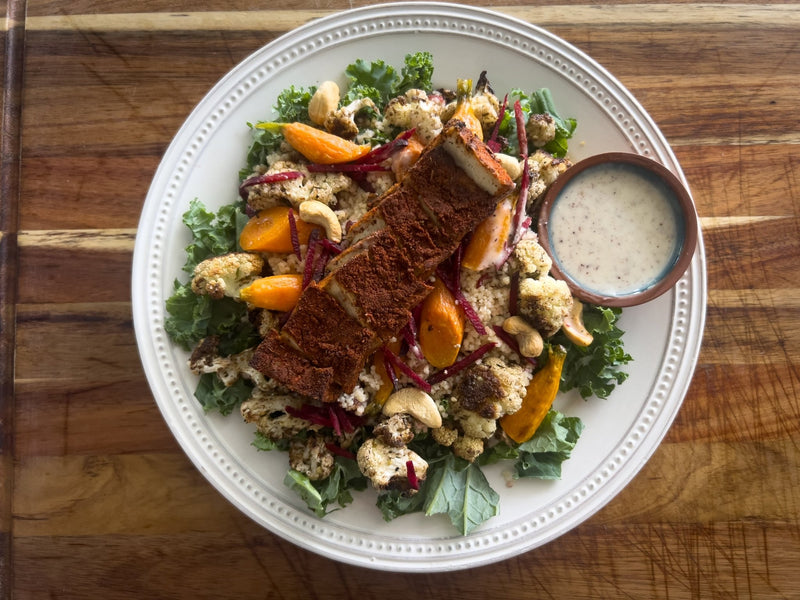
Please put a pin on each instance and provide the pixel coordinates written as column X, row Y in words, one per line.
column 614, row 229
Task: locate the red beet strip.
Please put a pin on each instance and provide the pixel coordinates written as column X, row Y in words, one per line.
column 337, row 428
column 400, row 365
column 460, row 365
column 412, row 475
column 295, row 236
column 381, row 153
column 493, row 144
column 311, row 253
column 338, row 450
column 469, row 310
column 270, row 178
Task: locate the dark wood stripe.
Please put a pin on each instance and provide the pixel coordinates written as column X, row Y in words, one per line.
column 11, row 118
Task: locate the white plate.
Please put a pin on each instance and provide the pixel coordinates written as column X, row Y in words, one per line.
column 203, row 161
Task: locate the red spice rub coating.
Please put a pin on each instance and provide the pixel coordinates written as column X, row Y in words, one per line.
column 367, row 296
column 322, row 331
column 380, row 284
column 277, row 359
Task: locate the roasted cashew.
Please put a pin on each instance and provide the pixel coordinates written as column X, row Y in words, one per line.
column 530, row 341
column 413, row 401
column 317, row 213
column 324, row 102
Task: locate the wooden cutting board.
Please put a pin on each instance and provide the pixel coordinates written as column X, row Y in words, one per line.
column 98, row 500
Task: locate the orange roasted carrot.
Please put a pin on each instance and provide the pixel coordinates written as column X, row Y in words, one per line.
column 321, row 147
column 269, row 231
column 441, row 327
column 405, row 158
column 489, row 238
column 542, row 389
column 464, row 110
column 276, row 292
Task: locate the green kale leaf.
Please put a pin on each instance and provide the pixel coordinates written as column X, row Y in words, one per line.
column 334, row 489
column 212, row 233
column 459, row 489
column 213, row 394
column 381, row 82
column 375, row 80
column 264, row 142
column 417, row 73
column 595, row 370
column 292, row 104
column 191, row 317
column 552, row 444
column 188, row 316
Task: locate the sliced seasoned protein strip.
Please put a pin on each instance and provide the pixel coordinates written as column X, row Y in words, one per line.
column 371, row 287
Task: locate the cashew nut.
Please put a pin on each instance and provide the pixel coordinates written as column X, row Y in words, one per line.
column 317, row 213
column 324, row 101
column 415, row 402
column 510, row 164
column 574, row 328
column 530, row 341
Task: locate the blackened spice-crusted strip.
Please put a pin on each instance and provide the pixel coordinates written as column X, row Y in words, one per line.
column 379, row 285
column 323, row 331
column 370, row 289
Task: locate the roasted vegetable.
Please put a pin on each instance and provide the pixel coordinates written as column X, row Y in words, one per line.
column 441, row 327
column 521, row 425
column 316, row 145
column 276, row 292
column 270, row 231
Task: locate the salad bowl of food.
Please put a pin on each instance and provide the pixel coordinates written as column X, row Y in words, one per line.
column 344, row 312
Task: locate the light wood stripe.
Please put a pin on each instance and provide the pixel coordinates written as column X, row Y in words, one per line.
column 783, row 15
column 120, row 240
column 708, row 223
column 755, row 298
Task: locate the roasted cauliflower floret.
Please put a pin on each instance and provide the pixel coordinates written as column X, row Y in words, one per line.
column 385, row 465
column 549, row 167
column 540, row 129
column 416, row 110
column 225, row 275
column 544, row 303
column 342, row 122
column 530, row 260
column 205, row 358
column 322, row 187
column 473, row 424
column 467, row 447
column 537, row 184
column 444, row 435
column 268, row 413
column 311, row 457
column 514, row 380
column 396, row 431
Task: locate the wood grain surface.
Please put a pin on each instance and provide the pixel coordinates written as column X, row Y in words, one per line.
column 98, row 500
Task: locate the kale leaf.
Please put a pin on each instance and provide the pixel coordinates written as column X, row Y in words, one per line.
column 459, row 489
column 213, row 394
column 381, row 82
column 595, row 370
column 334, row 489
column 292, row 104
column 552, row 444
column 191, row 317
column 538, row 102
